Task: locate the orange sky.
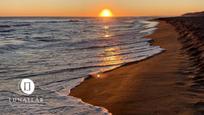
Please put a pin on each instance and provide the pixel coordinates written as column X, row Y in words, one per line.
column 93, row 7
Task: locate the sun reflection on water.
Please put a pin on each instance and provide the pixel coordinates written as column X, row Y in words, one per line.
column 110, row 55
column 106, row 27
column 111, row 58
column 107, row 33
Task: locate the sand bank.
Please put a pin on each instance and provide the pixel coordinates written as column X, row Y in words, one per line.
column 150, row 87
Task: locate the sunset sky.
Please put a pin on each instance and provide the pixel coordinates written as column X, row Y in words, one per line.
column 93, row 7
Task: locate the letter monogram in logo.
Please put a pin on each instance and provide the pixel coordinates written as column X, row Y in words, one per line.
column 27, row 86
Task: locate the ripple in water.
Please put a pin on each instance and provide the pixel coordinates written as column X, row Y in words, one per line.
column 59, row 53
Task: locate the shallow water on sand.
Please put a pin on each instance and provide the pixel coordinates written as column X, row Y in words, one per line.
column 58, row 53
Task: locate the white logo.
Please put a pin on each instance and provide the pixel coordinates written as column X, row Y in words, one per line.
column 27, row 86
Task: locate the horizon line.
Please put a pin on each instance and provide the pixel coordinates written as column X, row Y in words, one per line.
column 84, row 16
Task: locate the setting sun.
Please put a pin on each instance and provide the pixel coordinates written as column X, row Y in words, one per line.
column 106, row 13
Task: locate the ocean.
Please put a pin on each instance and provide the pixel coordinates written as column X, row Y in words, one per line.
column 58, row 53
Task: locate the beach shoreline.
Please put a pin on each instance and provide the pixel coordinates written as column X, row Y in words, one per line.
column 152, row 86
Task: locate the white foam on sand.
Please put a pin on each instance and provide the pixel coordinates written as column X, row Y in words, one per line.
column 55, row 90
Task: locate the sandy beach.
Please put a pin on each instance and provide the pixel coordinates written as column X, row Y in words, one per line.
column 154, row 86
column 102, row 57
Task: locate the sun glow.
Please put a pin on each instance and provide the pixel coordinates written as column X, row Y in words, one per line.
column 106, row 13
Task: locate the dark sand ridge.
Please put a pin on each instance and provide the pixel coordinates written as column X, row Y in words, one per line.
column 154, row 86
column 191, row 35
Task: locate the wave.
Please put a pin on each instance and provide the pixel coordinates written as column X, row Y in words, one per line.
column 20, row 25
column 5, row 26
column 58, row 54
column 7, row 30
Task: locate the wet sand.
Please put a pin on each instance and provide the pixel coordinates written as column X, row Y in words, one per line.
column 155, row 86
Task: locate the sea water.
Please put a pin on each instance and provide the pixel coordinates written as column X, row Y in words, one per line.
column 59, row 53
